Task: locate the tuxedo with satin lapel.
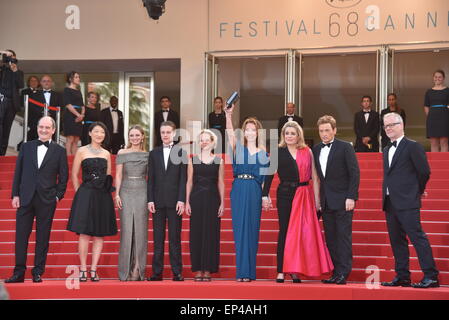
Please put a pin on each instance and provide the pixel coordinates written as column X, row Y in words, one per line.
column 367, row 129
column 159, row 118
column 38, row 189
column 165, row 188
column 406, row 179
column 36, row 112
column 339, row 181
column 117, row 140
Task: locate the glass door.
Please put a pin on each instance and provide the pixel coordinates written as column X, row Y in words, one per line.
column 139, row 103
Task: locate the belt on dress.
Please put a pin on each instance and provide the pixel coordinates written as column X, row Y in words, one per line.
column 88, row 122
column 294, row 184
column 439, row 106
column 136, row 177
column 245, row 176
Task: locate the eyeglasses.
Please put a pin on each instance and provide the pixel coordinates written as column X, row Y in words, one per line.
column 391, row 125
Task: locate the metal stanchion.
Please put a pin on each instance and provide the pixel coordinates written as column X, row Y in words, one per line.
column 46, row 110
column 25, row 119
column 58, row 124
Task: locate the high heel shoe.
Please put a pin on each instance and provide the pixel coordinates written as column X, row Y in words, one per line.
column 94, row 278
column 280, row 280
column 83, row 276
column 295, row 278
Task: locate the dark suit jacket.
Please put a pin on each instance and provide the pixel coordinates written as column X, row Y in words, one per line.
column 407, row 176
column 284, row 119
column 159, row 118
column 366, row 129
column 49, row 181
column 17, row 84
column 167, row 187
column 342, row 175
column 36, row 112
column 106, row 118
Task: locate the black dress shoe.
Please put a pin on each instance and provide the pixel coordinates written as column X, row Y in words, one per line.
column 427, row 283
column 178, row 277
column 397, row 282
column 330, row 280
column 37, row 278
column 340, row 280
column 155, row 277
column 16, row 278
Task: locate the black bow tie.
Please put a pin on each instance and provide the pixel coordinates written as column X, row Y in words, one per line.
column 164, row 110
column 114, row 110
column 365, row 112
column 394, row 143
column 47, row 91
column 46, row 143
column 326, row 145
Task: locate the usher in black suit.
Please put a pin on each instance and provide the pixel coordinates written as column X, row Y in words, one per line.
column 38, row 189
column 339, row 182
column 406, row 178
column 367, row 129
column 36, row 112
column 159, row 118
column 118, row 139
column 165, row 188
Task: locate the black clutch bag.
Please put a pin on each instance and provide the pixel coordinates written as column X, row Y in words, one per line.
column 108, row 183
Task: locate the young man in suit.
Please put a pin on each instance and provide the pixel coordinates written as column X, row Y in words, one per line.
column 366, row 127
column 46, row 96
column 40, row 181
column 290, row 116
column 339, row 174
column 163, row 115
column 112, row 117
column 406, row 172
column 167, row 177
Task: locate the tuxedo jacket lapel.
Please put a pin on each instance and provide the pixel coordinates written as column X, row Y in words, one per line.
column 161, row 158
column 34, row 154
column 48, row 154
column 399, row 149
column 331, row 156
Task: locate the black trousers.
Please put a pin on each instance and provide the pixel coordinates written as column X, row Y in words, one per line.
column 44, row 213
column 338, row 233
column 174, row 237
column 408, row 222
column 284, row 207
column 7, row 115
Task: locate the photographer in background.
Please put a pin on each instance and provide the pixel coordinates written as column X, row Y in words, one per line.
column 11, row 80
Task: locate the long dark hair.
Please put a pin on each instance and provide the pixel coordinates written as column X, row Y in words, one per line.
column 398, row 109
column 105, row 142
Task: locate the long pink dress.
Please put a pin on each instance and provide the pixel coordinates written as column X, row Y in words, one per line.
column 305, row 251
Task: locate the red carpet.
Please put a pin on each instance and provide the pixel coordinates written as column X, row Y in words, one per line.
column 370, row 243
column 258, row 290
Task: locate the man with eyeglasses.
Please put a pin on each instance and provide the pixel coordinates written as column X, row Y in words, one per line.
column 406, row 172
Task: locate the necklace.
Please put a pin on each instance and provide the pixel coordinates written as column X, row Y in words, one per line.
column 93, row 150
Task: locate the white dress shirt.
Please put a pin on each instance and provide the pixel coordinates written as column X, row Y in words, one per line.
column 290, row 117
column 114, row 116
column 391, row 152
column 41, row 152
column 47, row 96
column 165, row 114
column 167, row 154
column 324, row 155
column 366, row 117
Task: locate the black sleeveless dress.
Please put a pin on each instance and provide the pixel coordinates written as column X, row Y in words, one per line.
column 93, row 210
column 204, row 221
column 90, row 116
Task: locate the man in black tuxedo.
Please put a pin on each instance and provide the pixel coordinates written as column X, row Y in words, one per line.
column 40, row 181
column 163, row 115
column 339, row 174
column 406, row 172
column 11, row 80
column 112, row 117
column 167, row 177
column 45, row 96
column 290, row 116
column 366, row 127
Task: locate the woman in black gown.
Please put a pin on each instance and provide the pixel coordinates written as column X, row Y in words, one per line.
column 92, row 114
column 205, row 206
column 217, row 121
column 392, row 107
column 92, row 214
column 436, row 104
column 74, row 112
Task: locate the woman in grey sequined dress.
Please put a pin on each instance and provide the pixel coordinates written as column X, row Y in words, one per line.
column 131, row 199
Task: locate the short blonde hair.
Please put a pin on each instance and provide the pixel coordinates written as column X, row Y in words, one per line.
column 299, row 132
column 327, row 119
column 213, row 137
